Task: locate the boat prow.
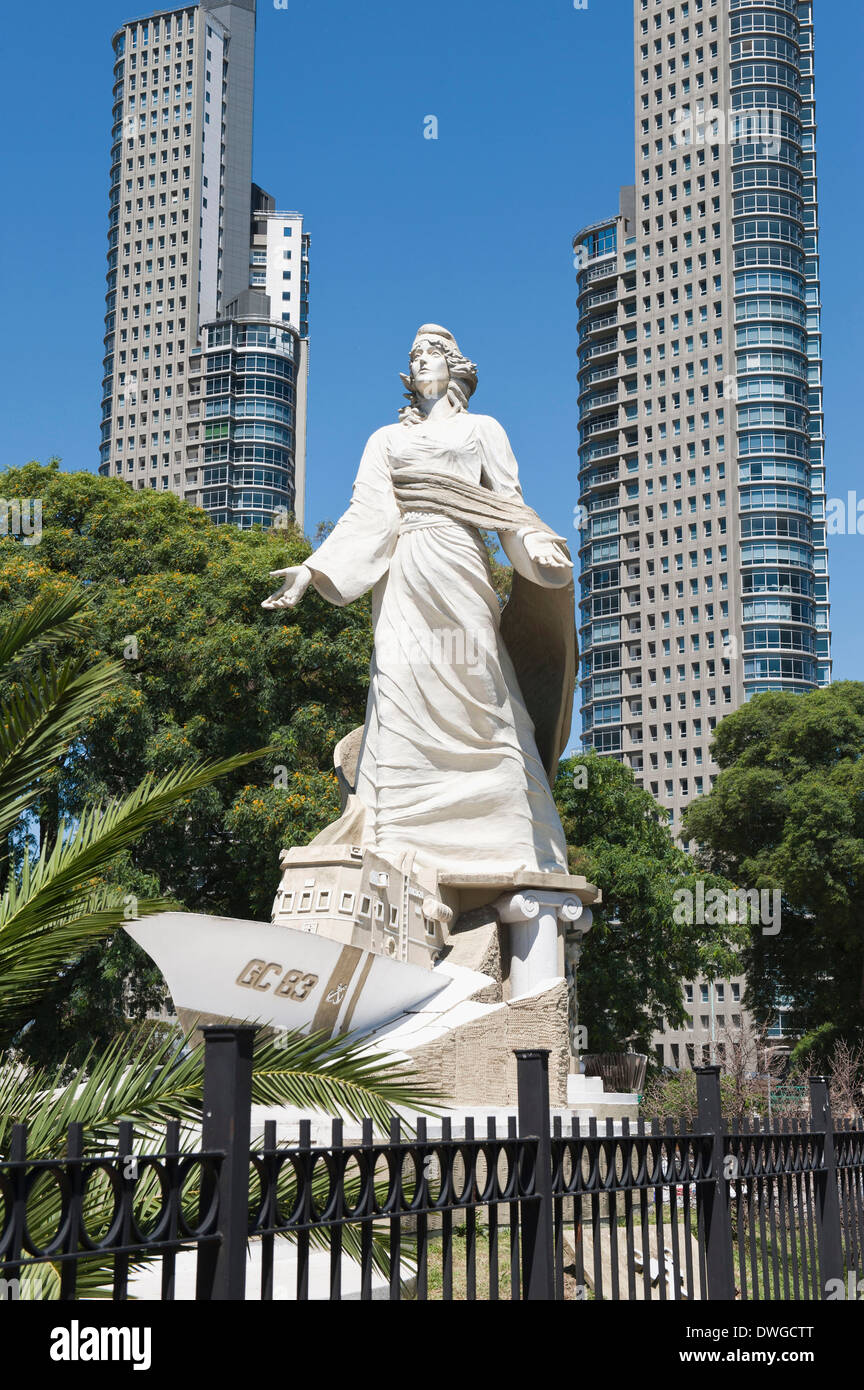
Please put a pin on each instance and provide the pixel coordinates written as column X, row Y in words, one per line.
column 228, row 968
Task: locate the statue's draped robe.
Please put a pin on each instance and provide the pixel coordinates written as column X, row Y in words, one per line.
column 449, row 766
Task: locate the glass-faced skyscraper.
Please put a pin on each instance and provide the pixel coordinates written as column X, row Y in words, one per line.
column 198, row 257
column 704, row 575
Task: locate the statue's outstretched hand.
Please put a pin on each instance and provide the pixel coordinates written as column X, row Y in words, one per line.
column 296, row 581
column 543, row 550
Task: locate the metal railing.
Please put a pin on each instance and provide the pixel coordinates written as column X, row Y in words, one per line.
column 534, row 1211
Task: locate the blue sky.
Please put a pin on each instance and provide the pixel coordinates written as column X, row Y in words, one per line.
column 535, row 134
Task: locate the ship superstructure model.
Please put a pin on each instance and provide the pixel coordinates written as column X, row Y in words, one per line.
column 362, row 899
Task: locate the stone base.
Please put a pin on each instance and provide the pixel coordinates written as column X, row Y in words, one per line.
column 473, row 1064
column 587, row 1099
column 464, row 1051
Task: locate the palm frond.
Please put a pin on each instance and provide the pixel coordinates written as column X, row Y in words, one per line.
column 41, row 717
column 34, row 959
column 46, row 916
column 29, row 629
column 340, row 1075
column 150, row 1079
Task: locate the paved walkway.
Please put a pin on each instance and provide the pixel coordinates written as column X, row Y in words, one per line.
column 147, row 1284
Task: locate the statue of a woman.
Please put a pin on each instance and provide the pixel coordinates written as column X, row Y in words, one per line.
column 469, row 709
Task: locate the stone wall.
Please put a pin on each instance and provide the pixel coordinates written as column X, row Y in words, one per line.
column 474, row 1063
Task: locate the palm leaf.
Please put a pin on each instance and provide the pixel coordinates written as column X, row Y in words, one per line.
column 336, row 1076
column 32, row 628
column 47, row 916
column 40, row 719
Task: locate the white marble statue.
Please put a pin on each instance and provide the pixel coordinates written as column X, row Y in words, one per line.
column 469, row 709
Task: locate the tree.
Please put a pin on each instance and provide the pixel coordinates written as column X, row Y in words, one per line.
column 787, row 813
column 638, row 951
column 205, row 674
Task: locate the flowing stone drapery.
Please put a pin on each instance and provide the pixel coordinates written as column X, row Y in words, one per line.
column 449, row 765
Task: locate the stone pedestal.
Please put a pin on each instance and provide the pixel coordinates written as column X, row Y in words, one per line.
column 515, row 945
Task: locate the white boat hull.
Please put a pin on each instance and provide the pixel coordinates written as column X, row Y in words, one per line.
column 224, row 967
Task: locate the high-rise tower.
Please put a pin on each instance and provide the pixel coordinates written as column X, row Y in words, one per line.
column 701, row 459
column 189, row 251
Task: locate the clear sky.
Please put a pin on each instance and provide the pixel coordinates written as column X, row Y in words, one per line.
column 534, row 105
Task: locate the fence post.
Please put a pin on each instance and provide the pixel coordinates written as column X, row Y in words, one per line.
column 532, row 1081
column 10, row 1267
column 712, row 1198
column 226, row 1128
column 828, row 1229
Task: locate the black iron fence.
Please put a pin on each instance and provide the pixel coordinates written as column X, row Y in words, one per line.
column 627, row 1211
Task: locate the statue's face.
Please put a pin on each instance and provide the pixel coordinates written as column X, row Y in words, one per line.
column 430, row 372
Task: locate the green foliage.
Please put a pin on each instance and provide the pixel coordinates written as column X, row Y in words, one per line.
column 91, row 1000
column 501, row 574
column 194, row 670
column 787, row 812
column 741, row 1098
column 58, row 900
column 263, row 820
column 636, row 954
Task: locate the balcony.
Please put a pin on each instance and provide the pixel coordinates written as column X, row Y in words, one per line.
column 601, row 374
column 599, row 270
column 603, row 503
column 605, row 297
column 599, row 479
column 600, row 426
column 586, row 323
column 608, row 398
column 595, row 325
column 600, row 350
column 599, row 451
